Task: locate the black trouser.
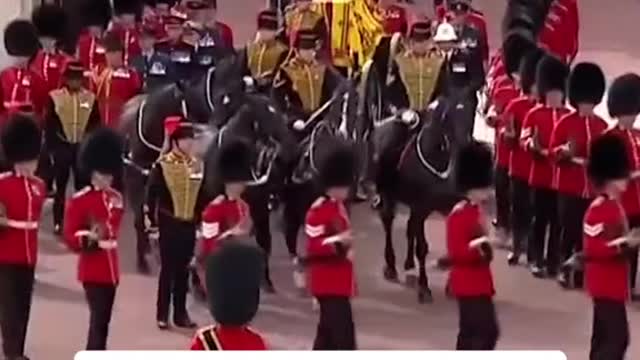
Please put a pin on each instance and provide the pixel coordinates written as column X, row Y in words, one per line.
column 503, row 198
column 634, row 222
column 478, row 324
column 521, row 214
column 571, row 211
column 177, row 242
column 45, row 167
column 64, row 164
column 610, row 334
column 16, row 289
column 546, row 230
column 100, row 298
column 336, row 330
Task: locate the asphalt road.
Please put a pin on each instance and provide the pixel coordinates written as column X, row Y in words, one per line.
column 534, row 314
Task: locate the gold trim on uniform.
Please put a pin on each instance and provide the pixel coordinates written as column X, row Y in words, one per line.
column 74, row 111
column 183, row 176
column 307, row 79
column 262, row 57
column 419, row 74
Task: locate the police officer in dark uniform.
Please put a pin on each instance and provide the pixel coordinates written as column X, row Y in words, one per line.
column 155, row 67
column 212, row 38
column 304, row 84
column 464, row 69
column 72, row 112
column 262, row 57
column 177, row 48
column 417, row 75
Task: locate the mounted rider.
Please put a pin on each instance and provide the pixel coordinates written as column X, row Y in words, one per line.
column 261, row 58
column 463, row 68
column 304, row 86
column 417, row 75
column 177, row 47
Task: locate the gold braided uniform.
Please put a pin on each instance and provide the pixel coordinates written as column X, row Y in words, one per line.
column 264, row 57
column 183, row 179
column 416, row 80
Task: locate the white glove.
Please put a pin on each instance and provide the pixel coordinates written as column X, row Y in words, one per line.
column 248, row 81
column 298, row 125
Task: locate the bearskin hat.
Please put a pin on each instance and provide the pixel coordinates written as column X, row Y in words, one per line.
column 624, row 96
column 338, row 166
column 121, row 7
column 608, row 159
column 516, row 44
column 586, row 84
column 21, row 38
column 102, row 152
column 234, row 161
column 97, row 13
column 50, row 21
column 527, row 69
column 474, row 167
column 21, row 139
column 233, row 276
column 551, row 74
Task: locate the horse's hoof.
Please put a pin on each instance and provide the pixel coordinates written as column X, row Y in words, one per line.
column 390, row 274
column 410, row 280
column 425, row 296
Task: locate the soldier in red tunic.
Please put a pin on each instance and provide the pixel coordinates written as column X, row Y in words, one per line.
column 126, row 26
column 607, row 243
column 330, row 253
column 51, row 23
column 114, row 83
column 91, row 228
column 90, row 51
column 469, row 252
column 624, row 107
column 227, row 215
column 232, row 306
column 519, row 159
column 21, row 89
column 535, row 138
column 570, row 147
column 21, row 202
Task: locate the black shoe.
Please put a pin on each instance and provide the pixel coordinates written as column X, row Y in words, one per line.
column 513, row 258
column 57, row 229
column 143, row 267
column 563, row 280
column 184, row 322
column 537, row 271
column 162, row 325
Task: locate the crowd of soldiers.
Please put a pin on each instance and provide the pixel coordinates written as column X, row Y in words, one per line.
column 549, row 158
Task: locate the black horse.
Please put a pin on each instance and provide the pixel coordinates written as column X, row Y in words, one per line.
column 337, row 123
column 414, row 156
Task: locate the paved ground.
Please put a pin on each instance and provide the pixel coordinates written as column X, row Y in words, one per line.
column 534, row 314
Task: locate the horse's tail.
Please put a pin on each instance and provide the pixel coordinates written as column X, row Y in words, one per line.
column 130, row 113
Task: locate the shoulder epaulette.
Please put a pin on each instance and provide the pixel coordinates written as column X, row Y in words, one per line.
column 81, row 192
column 218, row 200
column 319, row 201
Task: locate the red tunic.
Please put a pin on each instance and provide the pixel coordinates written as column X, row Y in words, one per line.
column 131, row 41
column 555, row 35
column 500, row 99
column 571, row 176
column 113, row 88
column 606, row 271
column 21, row 88
column 520, row 160
column 50, row 67
column 326, row 218
column 219, row 337
column 22, row 197
column 631, row 197
column 102, row 209
column 470, row 273
column 541, row 120
column 90, row 51
column 219, row 216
